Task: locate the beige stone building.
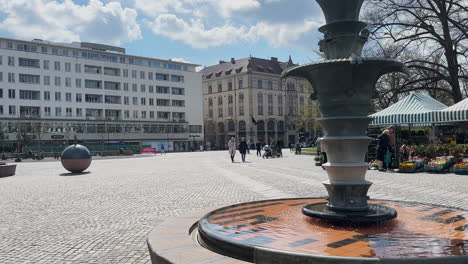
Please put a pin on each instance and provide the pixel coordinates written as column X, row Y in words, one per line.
column 247, row 98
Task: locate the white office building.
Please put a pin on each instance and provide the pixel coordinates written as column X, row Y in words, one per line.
column 51, row 93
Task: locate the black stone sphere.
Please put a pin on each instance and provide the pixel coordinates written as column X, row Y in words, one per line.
column 76, row 158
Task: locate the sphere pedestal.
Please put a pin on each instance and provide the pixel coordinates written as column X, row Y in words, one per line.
column 76, row 158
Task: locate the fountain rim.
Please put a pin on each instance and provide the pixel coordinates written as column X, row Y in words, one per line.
column 252, row 249
column 361, row 60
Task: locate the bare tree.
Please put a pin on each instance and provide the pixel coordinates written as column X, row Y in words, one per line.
column 431, row 35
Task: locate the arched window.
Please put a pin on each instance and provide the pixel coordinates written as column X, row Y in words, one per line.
column 242, row 125
column 221, row 127
column 231, row 126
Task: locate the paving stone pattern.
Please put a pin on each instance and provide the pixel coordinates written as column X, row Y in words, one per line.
column 49, row 216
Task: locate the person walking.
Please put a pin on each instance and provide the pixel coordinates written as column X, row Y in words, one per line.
column 259, row 149
column 232, row 148
column 248, row 147
column 162, row 150
column 243, row 148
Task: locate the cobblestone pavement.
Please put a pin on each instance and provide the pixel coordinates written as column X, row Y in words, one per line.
column 48, row 216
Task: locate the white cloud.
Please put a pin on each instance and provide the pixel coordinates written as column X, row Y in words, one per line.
column 66, row 21
column 214, row 23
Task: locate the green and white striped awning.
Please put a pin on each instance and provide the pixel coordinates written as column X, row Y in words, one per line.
column 415, row 109
column 453, row 114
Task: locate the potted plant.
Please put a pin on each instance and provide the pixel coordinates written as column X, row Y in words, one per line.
column 318, row 161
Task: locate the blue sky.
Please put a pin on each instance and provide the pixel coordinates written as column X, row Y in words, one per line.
column 197, row 31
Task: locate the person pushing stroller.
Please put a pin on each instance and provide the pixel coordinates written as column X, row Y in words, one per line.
column 268, row 152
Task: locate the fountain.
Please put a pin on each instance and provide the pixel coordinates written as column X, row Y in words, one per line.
column 345, row 227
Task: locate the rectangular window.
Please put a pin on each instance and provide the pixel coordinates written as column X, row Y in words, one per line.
column 135, row 113
column 67, row 82
column 93, row 98
column 58, row 96
column 178, row 103
column 135, row 100
column 125, row 73
column 151, row 89
column 11, row 61
column 47, row 96
column 46, row 65
column 30, row 95
column 91, row 69
column 162, row 90
column 28, row 78
column 125, row 86
column 111, row 71
column 58, row 81
column 30, row 63
column 143, row 88
column 164, row 115
column 12, row 110
column 47, row 80
column 134, row 74
column 78, row 83
column 68, row 67
column 260, row 110
column 162, row 77
column 1, row 93
column 260, row 84
column 163, row 102
column 115, row 86
column 77, row 68
column 127, row 114
column 152, row 114
column 11, row 93
column 126, row 100
column 44, row 50
column 178, row 91
column 143, row 114
column 177, row 78
column 1, row 109
column 110, row 99
column 1, row 76
column 47, row 111
column 11, row 77
column 79, row 112
column 150, row 75
column 220, row 112
column 57, row 65
column 178, row 116
column 54, row 51
column 241, row 110
column 58, row 111
column 151, row 101
column 68, row 111
column 68, row 97
column 78, row 98
column 142, row 75
column 134, row 87
column 143, row 101
column 93, row 84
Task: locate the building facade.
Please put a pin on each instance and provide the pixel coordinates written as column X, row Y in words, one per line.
column 54, row 92
column 248, row 98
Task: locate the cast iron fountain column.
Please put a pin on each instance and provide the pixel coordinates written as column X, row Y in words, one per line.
column 344, row 85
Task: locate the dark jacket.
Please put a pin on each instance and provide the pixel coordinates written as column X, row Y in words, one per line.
column 243, row 147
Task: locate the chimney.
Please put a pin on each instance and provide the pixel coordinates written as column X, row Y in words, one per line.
column 233, row 61
column 274, row 59
column 221, row 62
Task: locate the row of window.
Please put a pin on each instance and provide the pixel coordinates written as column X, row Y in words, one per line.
column 269, row 86
column 33, row 111
column 93, row 84
column 270, row 111
column 93, row 128
column 291, row 99
column 92, row 98
column 96, row 56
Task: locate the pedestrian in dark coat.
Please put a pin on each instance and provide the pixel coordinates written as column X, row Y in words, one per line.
column 243, row 147
column 259, row 149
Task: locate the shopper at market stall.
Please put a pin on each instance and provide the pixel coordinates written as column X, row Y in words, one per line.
column 384, row 149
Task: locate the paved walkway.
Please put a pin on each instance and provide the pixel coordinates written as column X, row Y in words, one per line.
column 104, row 216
